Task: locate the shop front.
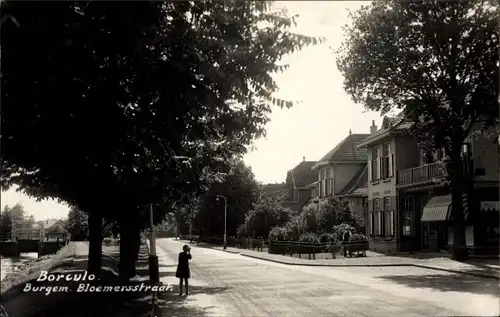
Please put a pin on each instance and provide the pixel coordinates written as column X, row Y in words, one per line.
column 435, row 221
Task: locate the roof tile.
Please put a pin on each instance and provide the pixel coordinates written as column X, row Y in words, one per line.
column 347, row 150
column 302, row 174
column 358, row 186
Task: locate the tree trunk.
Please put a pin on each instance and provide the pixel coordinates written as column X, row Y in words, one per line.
column 137, row 245
column 95, row 243
column 127, row 263
column 457, row 179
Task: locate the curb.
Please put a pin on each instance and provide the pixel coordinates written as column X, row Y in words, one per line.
column 480, row 275
column 209, row 247
column 487, row 276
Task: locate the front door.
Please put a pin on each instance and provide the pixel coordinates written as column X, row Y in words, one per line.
column 425, row 238
column 442, row 235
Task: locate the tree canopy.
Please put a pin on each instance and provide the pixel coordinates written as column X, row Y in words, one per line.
column 77, row 224
column 435, row 60
column 136, row 102
column 266, row 213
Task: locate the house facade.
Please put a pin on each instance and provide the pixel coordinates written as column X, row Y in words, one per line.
column 342, row 173
column 298, row 185
column 409, row 202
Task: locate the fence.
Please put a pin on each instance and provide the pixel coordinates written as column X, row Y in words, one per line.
column 256, row 244
column 302, row 248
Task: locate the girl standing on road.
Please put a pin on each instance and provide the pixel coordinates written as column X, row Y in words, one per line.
column 183, row 272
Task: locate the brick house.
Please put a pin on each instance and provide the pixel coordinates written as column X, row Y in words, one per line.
column 409, row 204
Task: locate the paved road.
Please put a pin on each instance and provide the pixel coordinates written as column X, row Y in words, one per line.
column 227, row 284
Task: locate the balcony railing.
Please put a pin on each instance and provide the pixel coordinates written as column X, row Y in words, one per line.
column 421, row 174
column 430, row 172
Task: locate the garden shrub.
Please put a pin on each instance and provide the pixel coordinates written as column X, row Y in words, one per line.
column 358, row 237
column 309, row 237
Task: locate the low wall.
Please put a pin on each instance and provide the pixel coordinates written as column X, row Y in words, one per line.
column 49, row 248
column 380, row 245
column 9, row 249
column 14, row 248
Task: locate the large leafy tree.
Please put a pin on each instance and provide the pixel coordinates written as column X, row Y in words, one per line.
column 77, row 224
column 325, row 215
column 266, row 213
column 437, row 60
column 126, row 104
column 239, row 188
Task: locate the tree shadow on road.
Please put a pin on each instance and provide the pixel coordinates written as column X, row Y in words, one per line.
column 448, row 283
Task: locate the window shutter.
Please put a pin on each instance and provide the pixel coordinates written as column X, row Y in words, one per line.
column 390, row 167
column 379, row 167
column 369, row 171
column 392, row 223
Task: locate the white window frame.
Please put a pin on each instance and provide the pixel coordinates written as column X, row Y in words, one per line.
column 388, row 216
column 408, row 208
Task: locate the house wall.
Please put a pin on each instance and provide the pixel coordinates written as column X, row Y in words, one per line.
column 343, row 174
column 406, row 153
column 304, row 195
column 485, row 154
column 322, row 187
column 356, row 204
column 388, row 245
column 381, row 189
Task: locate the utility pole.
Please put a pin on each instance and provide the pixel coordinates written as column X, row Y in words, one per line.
column 154, row 272
column 225, row 221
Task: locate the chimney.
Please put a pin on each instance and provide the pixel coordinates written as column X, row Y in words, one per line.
column 303, row 158
column 373, row 128
column 350, row 132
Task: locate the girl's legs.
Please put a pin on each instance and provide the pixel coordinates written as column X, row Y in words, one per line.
column 187, row 285
column 180, row 286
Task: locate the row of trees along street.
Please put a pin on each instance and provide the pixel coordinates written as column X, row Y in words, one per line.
column 250, row 213
column 438, row 62
column 123, row 105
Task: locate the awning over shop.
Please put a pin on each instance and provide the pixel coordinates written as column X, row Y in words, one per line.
column 490, row 206
column 437, row 209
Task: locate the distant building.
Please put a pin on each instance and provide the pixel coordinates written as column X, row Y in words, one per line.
column 298, row 184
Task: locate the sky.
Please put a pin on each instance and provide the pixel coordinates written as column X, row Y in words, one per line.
column 310, row 129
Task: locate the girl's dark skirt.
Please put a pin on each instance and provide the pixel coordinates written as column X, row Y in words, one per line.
column 183, row 271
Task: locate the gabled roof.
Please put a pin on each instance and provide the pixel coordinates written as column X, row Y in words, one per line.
column 347, row 150
column 302, row 174
column 276, row 190
column 358, row 186
column 47, row 224
column 57, row 227
column 389, row 124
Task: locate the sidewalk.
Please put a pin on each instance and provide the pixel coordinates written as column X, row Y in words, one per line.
column 62, row 298
column 200, row 302
column 478, row 268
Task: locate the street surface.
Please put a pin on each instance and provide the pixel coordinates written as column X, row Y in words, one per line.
column 226, row 284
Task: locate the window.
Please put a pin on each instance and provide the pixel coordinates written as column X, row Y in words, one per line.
column 407, row 205
column 386, row 162
column 389, row 217
column 375, row 169
column 377, row 208
column 323, row 189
